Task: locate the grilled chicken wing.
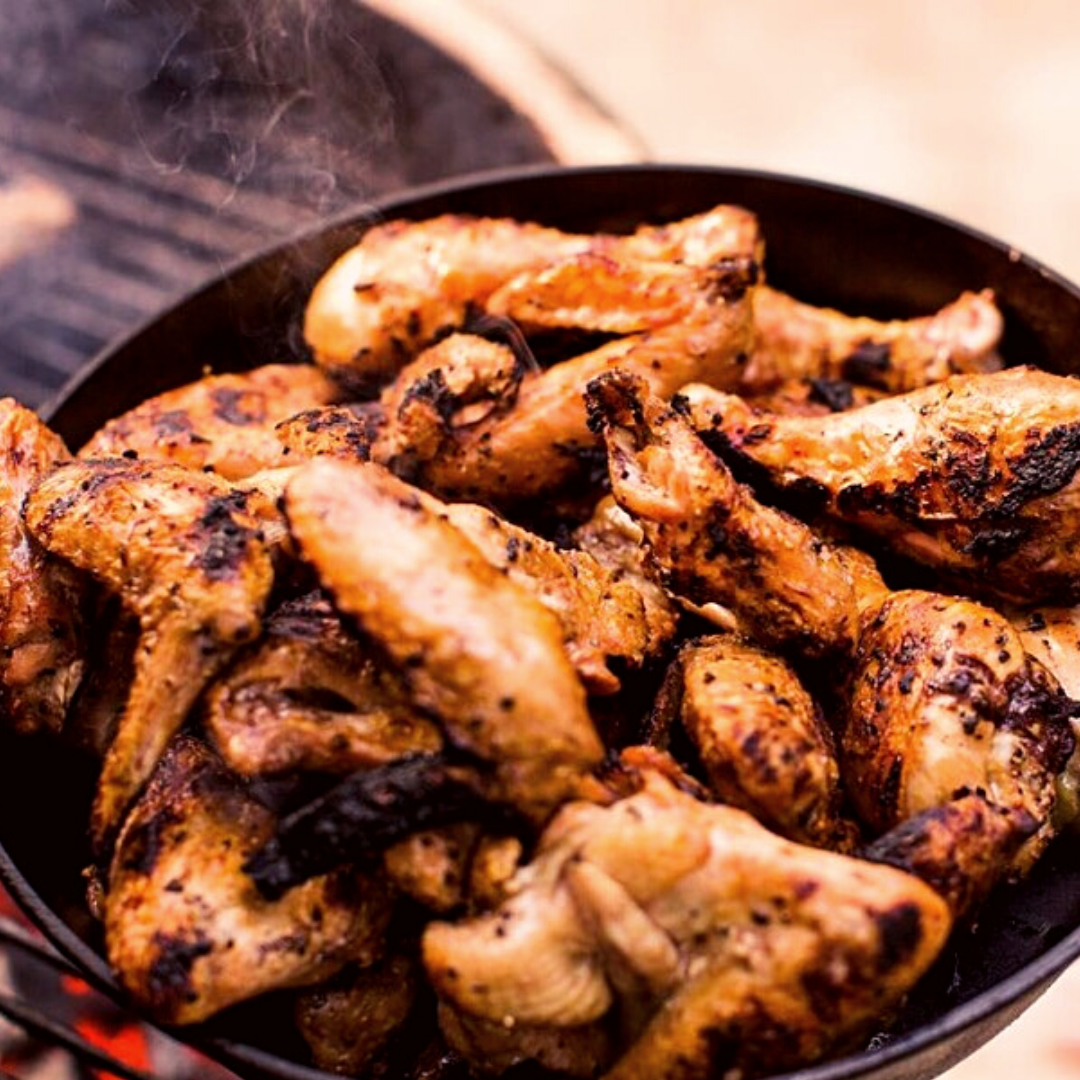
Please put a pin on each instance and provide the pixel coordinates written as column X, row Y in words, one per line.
column 718, row 944
column 186, row 559
column 186, row 929
column 712, row 540
column 407, row 283
column 797, row 340
column 761, row 739
column 942, row 698
column 441, row 612
column 41, row 620
column 310, row 697
column 975, row 476
column 221, row 422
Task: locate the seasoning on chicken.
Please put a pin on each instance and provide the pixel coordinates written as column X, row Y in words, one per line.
column 406, row 284
column 344, row 431
column 439, row 610
column 186, row 559
column 761, row 739
column 309, row 696
column 41, row 603
column 797, row 340
column 714, row 944
column 813, row 397
column 185, row 928
column 940, row 696
column 432, row 865
column 976, row 476
column 221, row 422
column 944, row 700
column 710, row 538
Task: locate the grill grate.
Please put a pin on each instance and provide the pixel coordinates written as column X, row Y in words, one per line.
column 185, row 138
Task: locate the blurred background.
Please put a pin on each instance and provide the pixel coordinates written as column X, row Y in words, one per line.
column 144, row 146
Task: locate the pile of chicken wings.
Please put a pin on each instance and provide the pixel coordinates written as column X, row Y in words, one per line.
column 596, row 658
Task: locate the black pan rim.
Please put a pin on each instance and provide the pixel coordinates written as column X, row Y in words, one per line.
column 1028, row 981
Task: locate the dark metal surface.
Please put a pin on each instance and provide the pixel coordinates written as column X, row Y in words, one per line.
column 825, row 244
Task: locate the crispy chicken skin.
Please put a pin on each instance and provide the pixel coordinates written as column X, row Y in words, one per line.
column 710, row 538
column 405, row 283
column 432, row 865
column 186, row 929
column 41, row 631
column 944, row 700
column 941, row 697
column 727, row 948
column 813, row 397
column 975, row 476
column 187, row 561
column 309, row 696
column 476, row 649
column 221, row 422
column 761, row 739
column 797, row 340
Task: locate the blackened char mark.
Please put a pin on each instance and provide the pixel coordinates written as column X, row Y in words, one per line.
column 227, row 539
column 1047, row 464
column 836, row 394
column 361, row 817
column 869, row 362
column 235, row 407
column 168, row 982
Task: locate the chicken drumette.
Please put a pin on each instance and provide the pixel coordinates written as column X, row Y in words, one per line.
column 188, row 561
column 976, row 476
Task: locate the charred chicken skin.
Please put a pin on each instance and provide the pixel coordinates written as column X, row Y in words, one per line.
column 186, row 929
column 975, row 476
column 727, row 947
column 796, row 340
column 405, row 284
column 222, row 422
column 41, row 602
column 440, row 611
column 761, row 739
column 187, row 561
column 941, row 698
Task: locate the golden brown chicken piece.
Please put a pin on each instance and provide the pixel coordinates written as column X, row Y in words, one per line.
column 797, row 340
column 975, row 476
column 406, row 283
column 942, row 698
column 441, row 613
column 761, row 738
column 185, row 928
column 41, row 618
column 710, row 538
column 344, row 431
column 349, row 1021
column 187, row 561
column 221, row 422
column 717, row 944
column 309, row 696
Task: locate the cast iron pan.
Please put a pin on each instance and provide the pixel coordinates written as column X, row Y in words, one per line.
column 825, row 244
